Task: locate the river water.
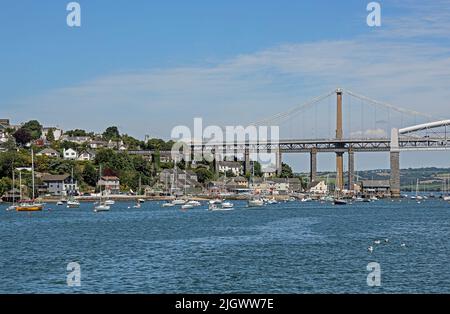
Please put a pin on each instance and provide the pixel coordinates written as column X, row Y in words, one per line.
column 283, row 248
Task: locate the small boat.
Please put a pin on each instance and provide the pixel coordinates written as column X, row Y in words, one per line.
column 306, row 199
column 227, row 205
column 215, row 201
column 72, row 203
column 272, row 201
column 29, row 206
column 102, row 208
column 224, row 206
column 340, row 202
column 60, row 203
column 137, row 205
column 255, row 202
column 359, row 200
column 187, row 206
column 446, row 198
column 110, row 202
column 12, row 207
column 168, row 204
column 179, row 202
column 194, row 203
column 141, row 200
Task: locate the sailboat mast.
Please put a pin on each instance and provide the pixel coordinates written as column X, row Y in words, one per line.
column 32, row 170
column 13, row 185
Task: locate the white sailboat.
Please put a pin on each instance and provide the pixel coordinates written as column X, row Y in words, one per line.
column 102, row 206
column 72, row 202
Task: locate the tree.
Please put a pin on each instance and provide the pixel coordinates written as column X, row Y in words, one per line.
column 111, row 133
column 89, row 174
column 50, row 136
column 257, row 169
column 203, row 174
column 34, row 128
column 229, row 174
column 286, row 171
column 22, row 136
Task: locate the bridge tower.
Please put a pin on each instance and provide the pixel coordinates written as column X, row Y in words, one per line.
column 339, row 136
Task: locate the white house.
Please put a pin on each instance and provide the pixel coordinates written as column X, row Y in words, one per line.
column 57, row 132
column 318, row 187
column 70, row 154
column 233, row 166
column 86, row 155
column 49, row 152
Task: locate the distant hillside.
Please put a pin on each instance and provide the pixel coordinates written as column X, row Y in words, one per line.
column 431, row 179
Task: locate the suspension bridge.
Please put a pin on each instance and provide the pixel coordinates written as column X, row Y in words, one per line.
column 369, row 135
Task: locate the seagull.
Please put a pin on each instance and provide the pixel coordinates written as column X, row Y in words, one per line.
column 377, row 241
column 370, row 249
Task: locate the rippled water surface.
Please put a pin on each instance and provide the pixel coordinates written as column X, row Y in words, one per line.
column 285, row 248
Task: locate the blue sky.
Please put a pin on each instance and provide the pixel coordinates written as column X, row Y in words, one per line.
column 147, row 66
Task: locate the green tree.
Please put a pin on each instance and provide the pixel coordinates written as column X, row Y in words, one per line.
column 286, row 171
column 257, row 169
column 111, row 133
column 204, row 174
column 34, row 128
column 50, row 136
column 90, row 174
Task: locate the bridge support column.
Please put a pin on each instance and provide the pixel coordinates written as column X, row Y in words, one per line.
column 278, row 158
column 351, row 169
column 247, row 168
column 313, row 165
column 395, row 173
column 339, row 171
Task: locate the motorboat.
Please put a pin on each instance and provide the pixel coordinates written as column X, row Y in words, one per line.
column 187, row 206
column 110, row 202
column 60, row 203
column 272, row 201
column 168, row 204
column 179, row 202
column 256, row 202
column 194, row 203
column 221, row 207
column 227, row 205
column 340, row 202
column 102, row 207
column 306, row 199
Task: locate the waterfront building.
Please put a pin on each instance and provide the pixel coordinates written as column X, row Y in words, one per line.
column 382, row 187
column 318, row 188
column 59, row 185
column 109, row 184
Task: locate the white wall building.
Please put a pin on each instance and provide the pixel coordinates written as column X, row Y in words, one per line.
column 70, row 154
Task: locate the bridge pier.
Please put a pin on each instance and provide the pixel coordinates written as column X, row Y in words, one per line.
column 247, row 168
column 279, row 164
column 313, row 165
column 395, row 174
column 351, row 169
column 339, row 171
